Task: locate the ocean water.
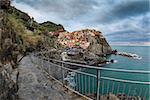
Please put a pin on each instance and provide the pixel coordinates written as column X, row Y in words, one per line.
column 124, row 62
column 129, row 64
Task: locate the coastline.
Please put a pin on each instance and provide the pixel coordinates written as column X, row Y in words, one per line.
column 130, row 44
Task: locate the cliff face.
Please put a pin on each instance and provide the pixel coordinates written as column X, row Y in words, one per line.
column 8, row 83
column 8, row 76
column 7, row 33
column 100, row 46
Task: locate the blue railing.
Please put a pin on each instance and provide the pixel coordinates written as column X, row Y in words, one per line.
column 94, row 85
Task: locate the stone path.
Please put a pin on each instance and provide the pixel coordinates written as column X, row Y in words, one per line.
column 35, row 85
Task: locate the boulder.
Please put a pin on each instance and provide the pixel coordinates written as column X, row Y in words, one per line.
column 109, row 97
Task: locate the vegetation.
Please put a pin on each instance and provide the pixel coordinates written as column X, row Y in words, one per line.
column 30, row 34
column 20, row 33
column 50, row 26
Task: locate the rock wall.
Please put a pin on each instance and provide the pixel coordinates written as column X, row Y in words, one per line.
column 99, row 46
column 8, row 76
column 8, row 83
column 1, row 14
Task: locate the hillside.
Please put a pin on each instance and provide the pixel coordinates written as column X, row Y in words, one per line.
column 23, row 29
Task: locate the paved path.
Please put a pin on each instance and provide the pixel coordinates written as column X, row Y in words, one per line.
column 35, row 85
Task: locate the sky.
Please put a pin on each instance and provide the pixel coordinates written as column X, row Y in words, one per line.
column 119, row 20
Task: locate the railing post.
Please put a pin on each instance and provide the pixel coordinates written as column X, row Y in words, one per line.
column 42, row 63
column 42, row 60
column 98, row 84
column 49, row 71
column 62, row 72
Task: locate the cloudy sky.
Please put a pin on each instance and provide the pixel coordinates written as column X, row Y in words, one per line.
column 119, row 20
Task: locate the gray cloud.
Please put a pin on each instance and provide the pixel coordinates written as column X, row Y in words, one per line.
column 134, row 29
column 121, row 10
column 129, row 36
column 132, row 8
column 65, row 9
column 107, row 11
column 119, row 20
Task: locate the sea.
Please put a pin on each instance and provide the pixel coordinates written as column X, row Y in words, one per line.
column 130, row 89
column 130, row 63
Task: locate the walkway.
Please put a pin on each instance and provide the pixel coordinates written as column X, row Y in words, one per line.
column 35, row 85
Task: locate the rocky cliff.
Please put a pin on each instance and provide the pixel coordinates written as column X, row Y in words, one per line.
column 8, row 76
column 8, row 83
column 97, row 42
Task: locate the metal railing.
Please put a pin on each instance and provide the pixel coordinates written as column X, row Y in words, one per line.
column 90, row 81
